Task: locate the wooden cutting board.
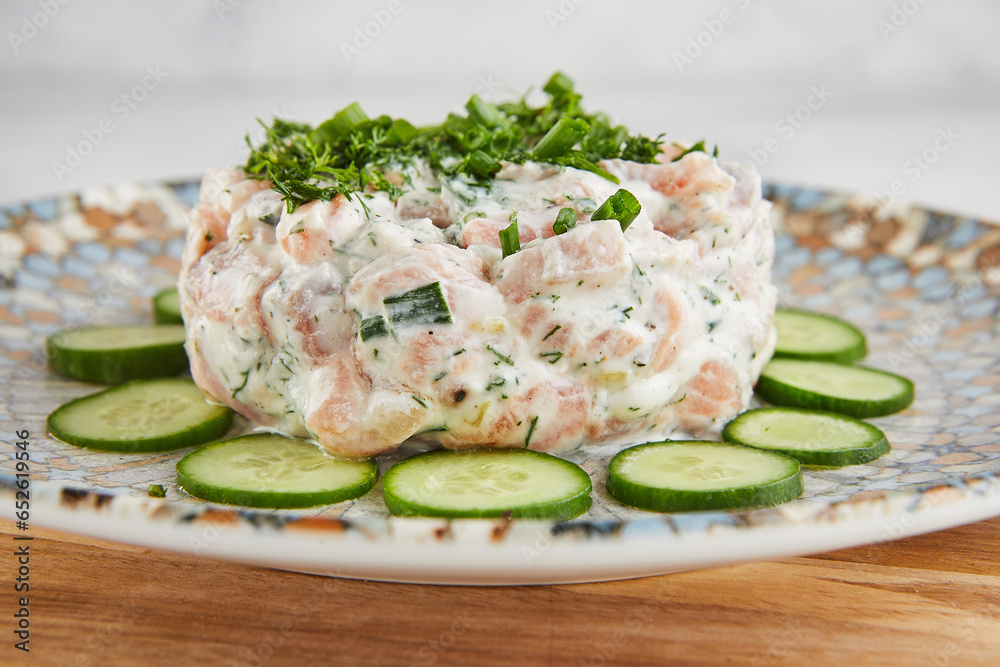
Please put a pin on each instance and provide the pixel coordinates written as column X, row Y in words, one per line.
column 928, row 600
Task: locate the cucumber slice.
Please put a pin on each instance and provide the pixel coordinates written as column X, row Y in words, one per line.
column 693, row 475
column 487, row 483
column 167, row 307
column 805, row 335
column 813, row 437
column 857, row 391
column 271, row 470
column 112, row 355
column 141, row 416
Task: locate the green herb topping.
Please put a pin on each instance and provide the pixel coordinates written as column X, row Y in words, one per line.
column 510, row 241
column 373, row 327
column 565, row 221
column 621, row 206
column 351, row 153
column 423, row 305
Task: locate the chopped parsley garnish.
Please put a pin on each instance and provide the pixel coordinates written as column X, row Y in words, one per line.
column 351, row 153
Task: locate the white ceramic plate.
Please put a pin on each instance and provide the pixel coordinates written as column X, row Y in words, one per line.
column 922, row 285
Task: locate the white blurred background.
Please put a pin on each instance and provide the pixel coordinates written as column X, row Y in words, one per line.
column 97, row 92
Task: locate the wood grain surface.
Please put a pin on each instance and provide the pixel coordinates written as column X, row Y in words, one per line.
column 925, row 600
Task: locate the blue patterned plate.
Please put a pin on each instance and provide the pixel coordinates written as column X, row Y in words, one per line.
column 923, row 286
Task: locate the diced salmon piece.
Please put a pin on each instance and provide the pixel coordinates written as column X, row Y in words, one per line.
column 710, row 399
column 314, row 231
column 594, row 253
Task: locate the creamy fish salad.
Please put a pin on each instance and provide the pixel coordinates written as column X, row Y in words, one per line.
column 368, row 304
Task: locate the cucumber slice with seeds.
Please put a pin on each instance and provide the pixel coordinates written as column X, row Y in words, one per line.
column 141, row 416
column 694, row 475
column 115, row 354
column 857, row 391
column 813, row 437
column 271, row 470
column 167, row 307
column 806, row 335
column 487, row 483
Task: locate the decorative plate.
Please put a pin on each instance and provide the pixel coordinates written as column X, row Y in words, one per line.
column 924, row 287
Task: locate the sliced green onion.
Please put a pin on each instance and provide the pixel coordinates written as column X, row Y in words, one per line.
column 424, row 305
column 402, row 131
column 373, row 327
column 482, row 164
column 621, row 206
column 575, row 159
column 483, row 113
column 558, row 85
column 565, row 221
column 341, row 124
column 561, row 138
column 510, row 242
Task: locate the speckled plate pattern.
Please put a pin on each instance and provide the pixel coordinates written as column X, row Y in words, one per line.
column 924, row 286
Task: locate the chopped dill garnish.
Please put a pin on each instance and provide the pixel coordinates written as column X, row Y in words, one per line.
column 350, row 153
column 551, row 357
column 531, row 430
column 507, row 360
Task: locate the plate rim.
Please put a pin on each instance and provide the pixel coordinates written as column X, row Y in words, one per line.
column 128, row 518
